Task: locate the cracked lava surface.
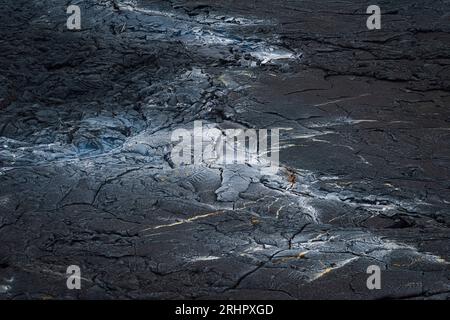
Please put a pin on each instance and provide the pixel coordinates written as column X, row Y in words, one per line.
column 86, row 177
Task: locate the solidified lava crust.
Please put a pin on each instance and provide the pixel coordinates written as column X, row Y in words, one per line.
column 86, row 177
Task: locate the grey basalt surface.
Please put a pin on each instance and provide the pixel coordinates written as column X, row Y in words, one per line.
column 86, row 176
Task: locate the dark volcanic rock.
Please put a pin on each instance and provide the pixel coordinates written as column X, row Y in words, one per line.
column 86, row 119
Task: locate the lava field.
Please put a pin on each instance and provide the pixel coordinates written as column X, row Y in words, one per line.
column 87, row 177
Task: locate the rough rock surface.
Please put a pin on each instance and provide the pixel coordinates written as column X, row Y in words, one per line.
column 86, row 177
